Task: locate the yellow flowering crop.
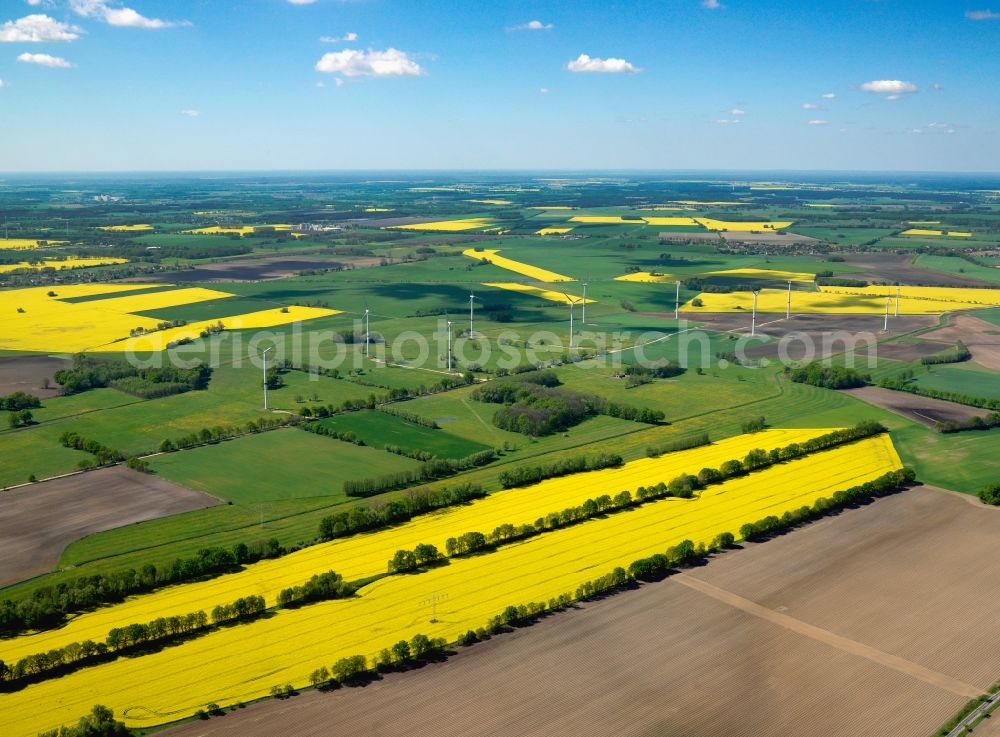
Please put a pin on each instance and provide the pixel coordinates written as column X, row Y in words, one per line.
column 361, row 556
column 925, row 222
column 604, row 220
column 775, row 274
column 720, row 203
column 448, row 225
column 491, row 202
column 243, row 662
column 549, row 207
column 925, row 232
column 18, row 244
column 711, row 224
column 553, row 231
column 548, row 294
column 670, row 221
column 851, row 300
column 517, row 267
column 126, row 228
column 67, row 263
column 968, row 298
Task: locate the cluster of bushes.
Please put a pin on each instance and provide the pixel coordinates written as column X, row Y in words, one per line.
column 958, row 354
column 753, row 424
column 346, row 436
column 103, row 455
column 903, row 385
column 100, row 722
column 672, row 446
column 536, row 405
column 991, row 495
column 355, row 668
column 244, row 608
column 20, row 418
column 986, row 422
column 433, row 469
column 91, row 373
column 636, row 375
column 526, row 475
column 828, row 377
column 17, row 401
column 57, row 661
column 362, row 518
column 826, row 279
column 348, row 405
column 407, row 561
column 48, row 606
column 218, row 433
column 322, row 586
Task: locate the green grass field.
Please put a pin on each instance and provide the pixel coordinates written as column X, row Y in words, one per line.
column 965, row 378
column 379, row 428
column 258, row 468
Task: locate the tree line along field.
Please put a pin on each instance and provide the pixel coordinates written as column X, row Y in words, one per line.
column 280, row 482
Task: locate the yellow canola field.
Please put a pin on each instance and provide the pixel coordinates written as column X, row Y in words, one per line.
column 243, row 662
column 18, row 244
column 842, row 300
column 936, row 233
column 670, row 221
column 604, row 220
column 378, row 209
column 156, row 300
column 925, row 222
column 67, row 263
column 814, row 204
column 448, row 225
column 237, row 230
column 958, row 295
column 160, row 339
column 518, row 267
column 795, row 276
column 126, row 228
column 491, row 202
column 720, row 203
column 549, row 207
column 553, row 231
column 361, row 556
column 741, row 227
column 547, row 294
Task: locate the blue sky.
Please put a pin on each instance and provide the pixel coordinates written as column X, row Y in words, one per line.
column 671, row 84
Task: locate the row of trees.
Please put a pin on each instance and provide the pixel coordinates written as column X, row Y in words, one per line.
column 48, row 606
column 431, row 470
column 958, row 354
column 904, row 385
column 362, row 518
column 526, row 475
column 407, row 561
column 244, row 608
column 672, row 446
column 103, row 455
column 218, row 433
column 356, row 668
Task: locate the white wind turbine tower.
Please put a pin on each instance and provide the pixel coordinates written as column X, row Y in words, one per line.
column 264, row 356
column 897, row 300
column 367, row 331
column 572, row 303
column 472, row 312
column 788, row 305
column 677, row 301
column 885, row 328
column 583, row 318
column 753, row 318
column 448, row 320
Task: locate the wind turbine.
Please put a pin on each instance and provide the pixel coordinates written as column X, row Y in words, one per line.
column 367, row 330
column 897, row 300
column 885, row 329
column 448, row 319
column 472, row 310
column 264, row 356
column 788, row 306
column 583, row 318
column 753, row 319
column 572, row 303
column 677, row 301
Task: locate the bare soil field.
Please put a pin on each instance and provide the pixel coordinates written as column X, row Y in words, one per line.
column 913, row 351
column 922, row 409
column 681, row 237
column 981, row 338
column 877, row 622
column 893, row 267
column 28, row 374
column 38, row 521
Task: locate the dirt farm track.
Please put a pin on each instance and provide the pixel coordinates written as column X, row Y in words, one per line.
column 879, row 621
column 38, row 521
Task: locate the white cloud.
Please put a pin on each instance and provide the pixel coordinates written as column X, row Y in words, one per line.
column 585, row 63
column 938, row 125
column 191, row 113
column 893, row 98
column 120, row 16
column 532, row 25
column 728, row 121
column 544, row 90
column 301, row 2
column 1, row 84
column 711, row 4
column 829, row 96
column 937, row 87
column 37, row 28
column 337, row 39
column 819, row 122
column 355, row 63
column 915, row 131
column 889, row 86
column 811, row 106
column 737, row 111
column 982, row 15
column 45, row 60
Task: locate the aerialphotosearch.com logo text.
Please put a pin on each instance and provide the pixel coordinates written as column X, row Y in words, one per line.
column 506, row 349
